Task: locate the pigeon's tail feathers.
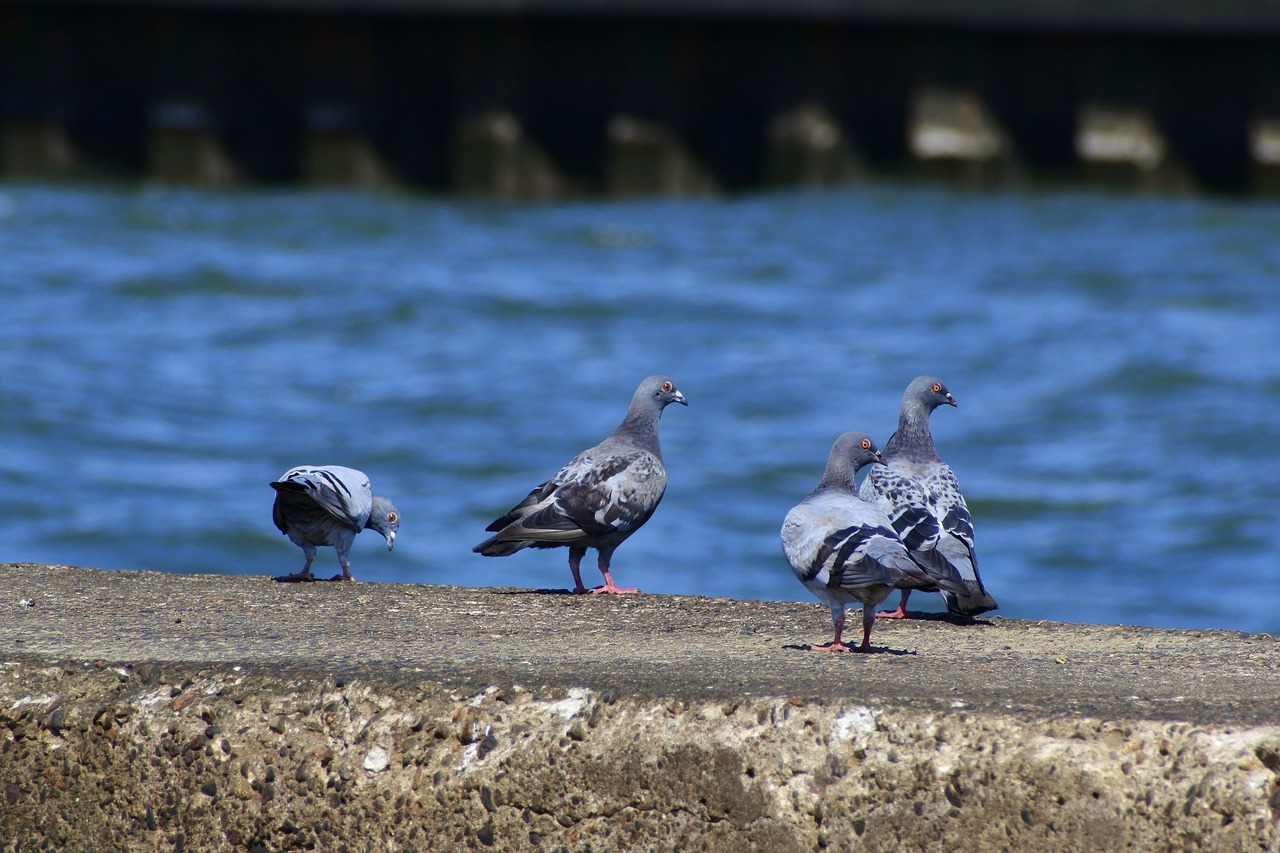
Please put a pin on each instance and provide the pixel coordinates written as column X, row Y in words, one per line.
column 970, row 601
column 277, row 514
column 531, row 503
column 496, row 546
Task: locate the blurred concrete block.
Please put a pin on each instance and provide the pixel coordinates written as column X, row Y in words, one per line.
column 1264, row 150
column 493, row 156
column 952, row 132
column 649, row 158
column 1125, row 144
column 37, row 148
column 185, row 150
column 1120, row 135
column 808, row 147
column 338, row 153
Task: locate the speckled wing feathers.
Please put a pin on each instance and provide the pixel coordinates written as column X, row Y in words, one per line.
column 926, row 508
column 595, row 496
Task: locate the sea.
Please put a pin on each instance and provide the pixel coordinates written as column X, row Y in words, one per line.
column 165, row 354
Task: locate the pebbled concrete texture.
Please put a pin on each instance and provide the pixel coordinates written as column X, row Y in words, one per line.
column 118, row 731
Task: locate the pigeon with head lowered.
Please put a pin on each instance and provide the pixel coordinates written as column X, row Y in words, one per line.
column 919, row 493
column 602, row 496
column 329, row 505
column 844, row 550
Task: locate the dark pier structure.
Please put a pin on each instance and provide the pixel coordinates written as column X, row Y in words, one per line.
column 552, row 98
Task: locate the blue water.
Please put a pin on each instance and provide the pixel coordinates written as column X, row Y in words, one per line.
column 165, row 354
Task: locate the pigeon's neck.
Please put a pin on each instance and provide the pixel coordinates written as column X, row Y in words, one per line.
column 834, row 485
column 837, row 478
column 640, row 427
column 913, row 439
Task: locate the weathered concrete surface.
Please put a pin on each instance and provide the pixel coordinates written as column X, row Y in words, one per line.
column 152, row 711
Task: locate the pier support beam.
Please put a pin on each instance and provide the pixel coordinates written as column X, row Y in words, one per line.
column 185, row 150
column 1122, row 143
column 493, row 156
column 951, row 132
column 648, row 158
column 807, row 147
column 37, row 148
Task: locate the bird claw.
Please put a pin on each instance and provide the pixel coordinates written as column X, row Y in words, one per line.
column 892, row 614
column 345, row 578
column 610, row 589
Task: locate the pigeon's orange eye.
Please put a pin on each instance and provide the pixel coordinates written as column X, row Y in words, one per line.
column 866, row 444
column 666, row 387
column 937, row 389
column 391, row 517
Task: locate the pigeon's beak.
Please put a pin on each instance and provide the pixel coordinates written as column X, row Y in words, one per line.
column 679, row 398
column 391, row 540
column 951, row 401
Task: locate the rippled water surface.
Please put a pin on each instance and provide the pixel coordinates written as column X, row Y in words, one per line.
column 1116, row 359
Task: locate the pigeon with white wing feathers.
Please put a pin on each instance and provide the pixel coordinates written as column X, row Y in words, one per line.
column 844, row 550
column 920, row 494
column 328, row 505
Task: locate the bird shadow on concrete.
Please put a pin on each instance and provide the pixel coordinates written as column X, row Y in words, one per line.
column 930, row 616
column 312, row 579
column 875, row 650
column 518, row 590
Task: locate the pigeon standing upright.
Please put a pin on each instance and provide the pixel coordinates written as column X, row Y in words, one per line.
column 844, row 550
column 919, row 493
column 329, row 505
column 602, row 496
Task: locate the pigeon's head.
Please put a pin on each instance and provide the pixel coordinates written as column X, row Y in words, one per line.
column 385, row 519
column 857, row 449
column 661, row 390
column 850, row 452
column 930, row 392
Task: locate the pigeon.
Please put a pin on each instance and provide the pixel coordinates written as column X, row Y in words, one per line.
column 919, row 493
column 844, row 550
column 329, row 505
column 602, row 496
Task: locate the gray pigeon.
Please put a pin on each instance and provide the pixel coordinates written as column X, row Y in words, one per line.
column 600, row 497
column 919, row 493
column 844, row 550
column 329, row 505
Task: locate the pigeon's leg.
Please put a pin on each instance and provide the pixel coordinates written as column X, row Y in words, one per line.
column 868, row 620
column 304, row 575
column 346, row 573
column 343, row 547
column 837, row 616
column 609, row 587
column 901, row 612
column 575, row 560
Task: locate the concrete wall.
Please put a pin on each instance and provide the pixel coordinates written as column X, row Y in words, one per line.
column 97, row 756
column 544, row 100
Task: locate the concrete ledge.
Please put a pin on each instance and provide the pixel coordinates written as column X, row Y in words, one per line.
column 145, row 710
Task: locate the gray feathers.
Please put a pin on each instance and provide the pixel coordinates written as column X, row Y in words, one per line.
column 920, row 495
column 328, row 505
column 843, row 549
column 601, row 496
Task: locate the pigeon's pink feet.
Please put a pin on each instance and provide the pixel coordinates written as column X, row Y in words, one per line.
column 900, row 613
column 833, row 646
column 345, row 578
column 610, row 589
